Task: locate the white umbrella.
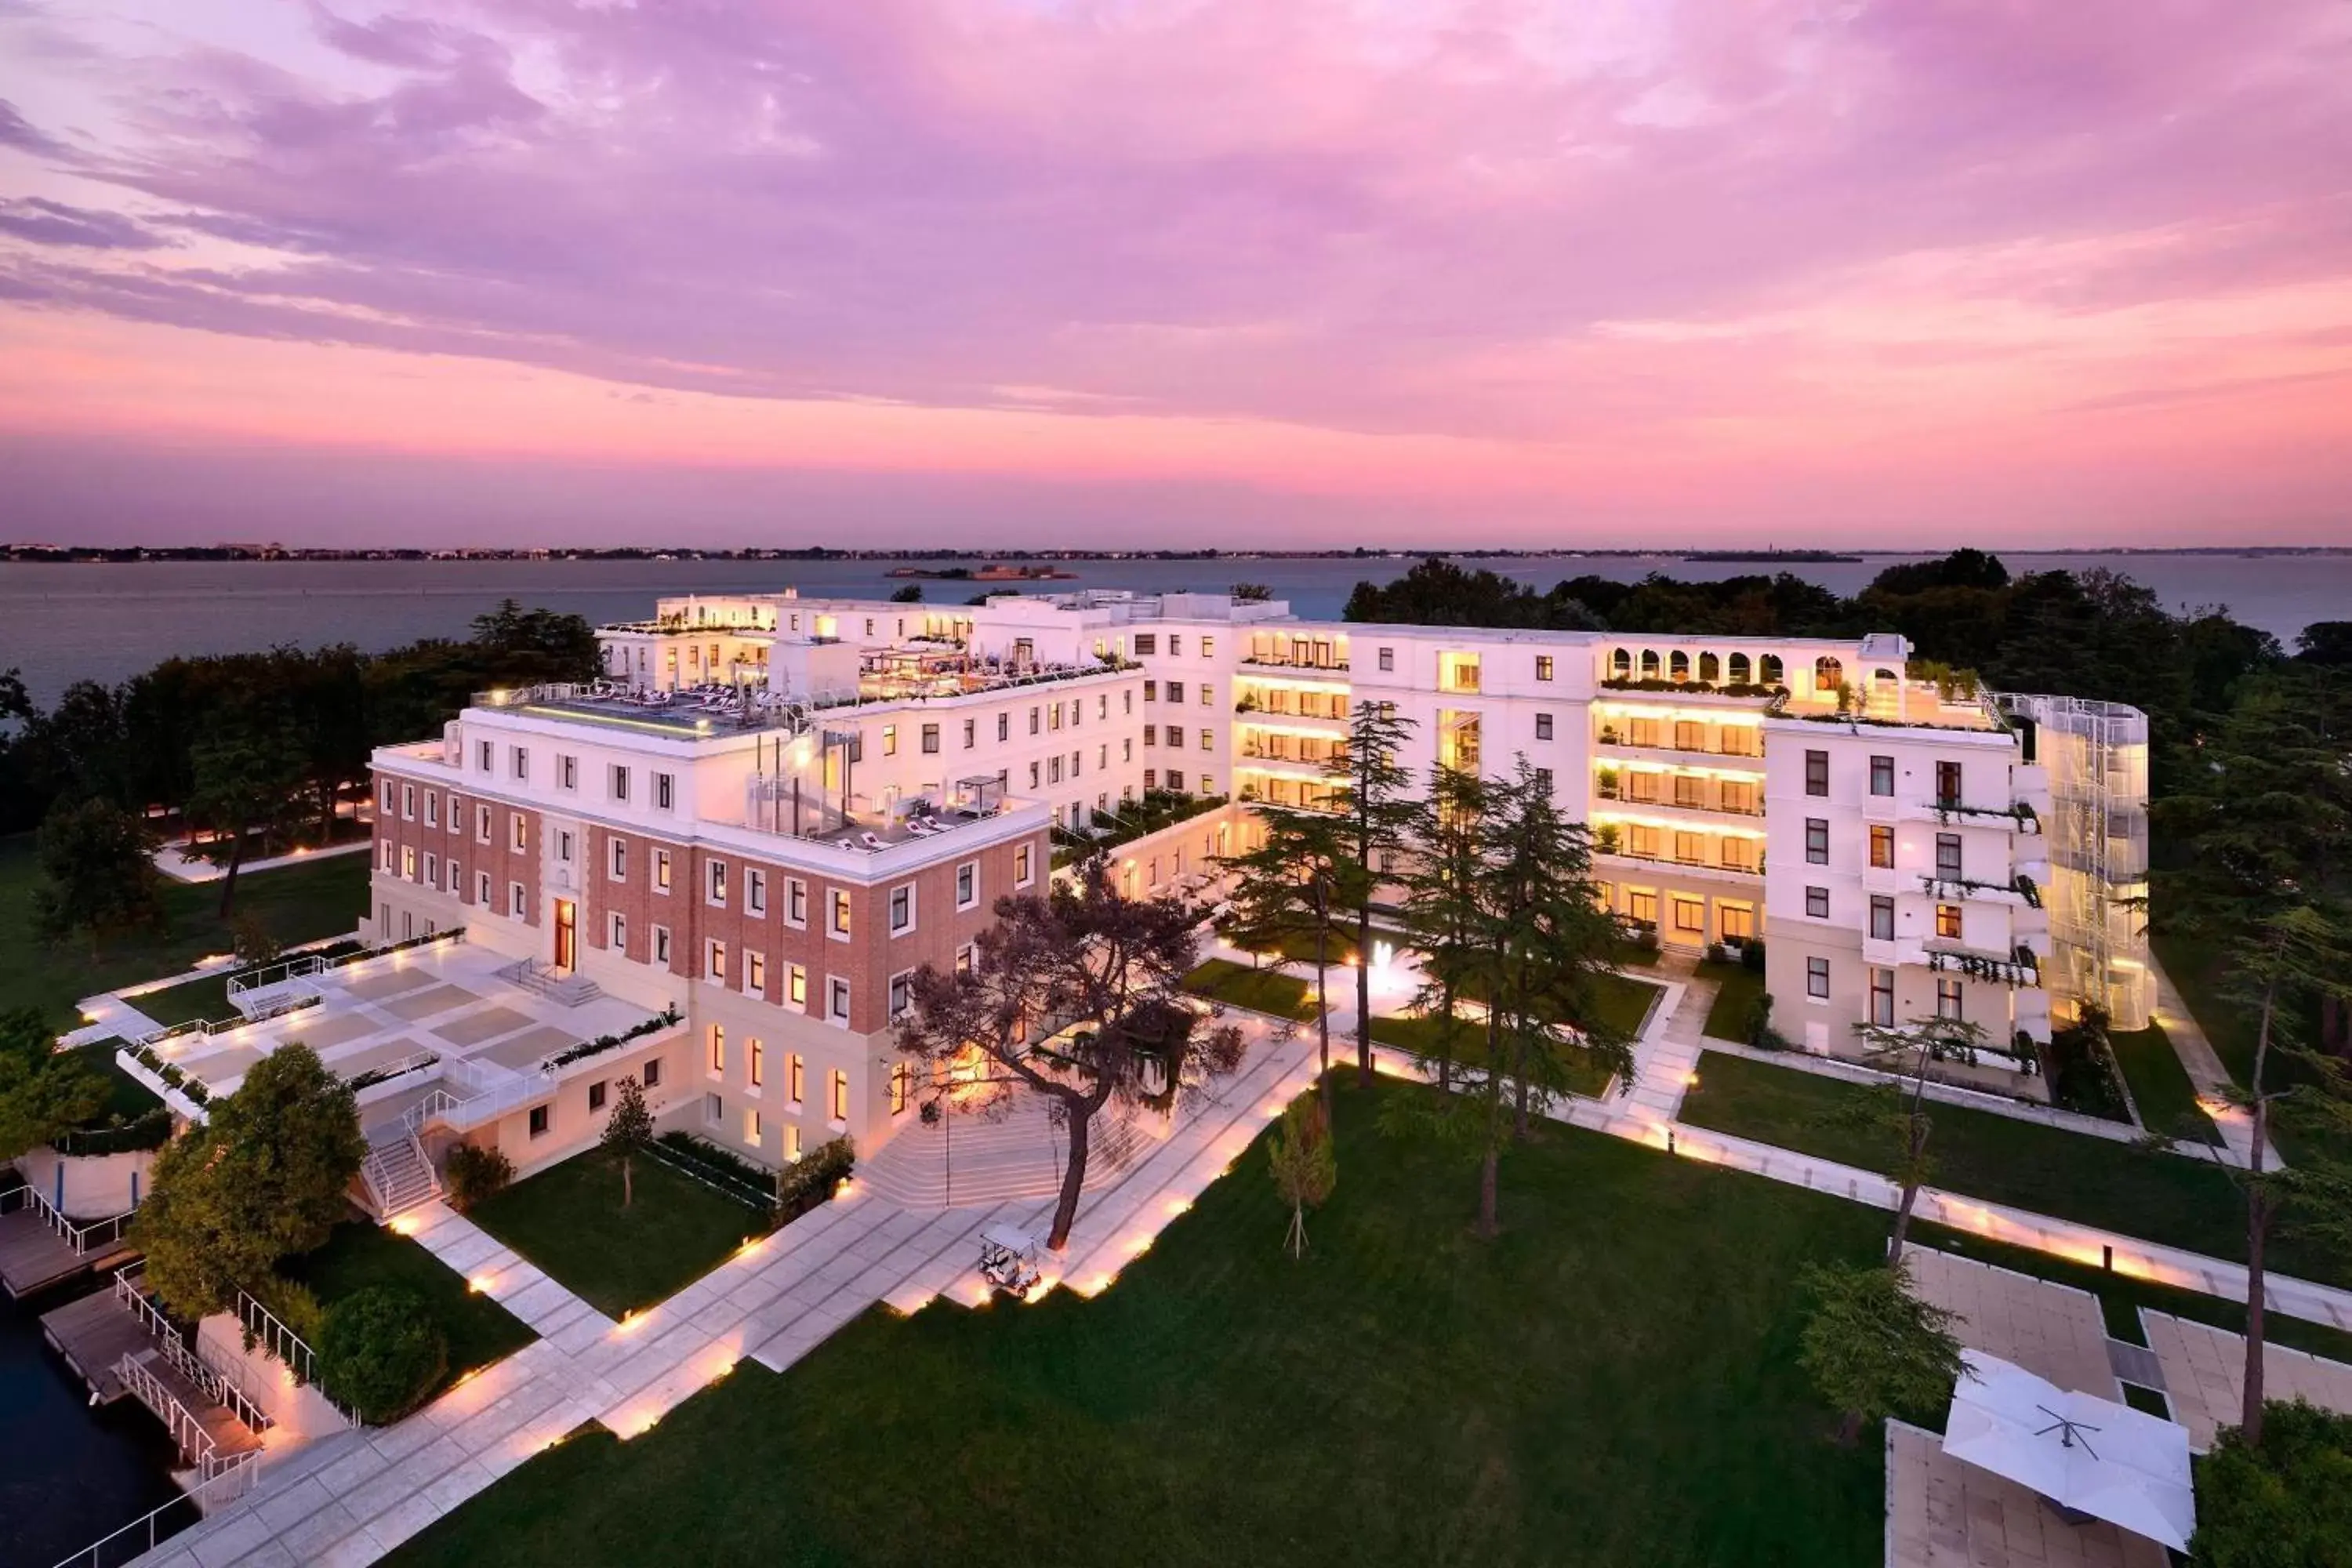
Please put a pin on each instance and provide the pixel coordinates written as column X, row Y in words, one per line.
column 2084, row 1453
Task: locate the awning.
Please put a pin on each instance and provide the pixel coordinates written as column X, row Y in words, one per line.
column 2082, row 1452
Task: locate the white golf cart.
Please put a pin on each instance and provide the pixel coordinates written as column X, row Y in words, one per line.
column 1008, row 1259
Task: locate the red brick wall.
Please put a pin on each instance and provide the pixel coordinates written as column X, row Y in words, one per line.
column 504, row 864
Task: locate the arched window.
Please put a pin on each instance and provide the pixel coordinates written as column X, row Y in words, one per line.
column 1739, row 670
column 1882, row 677
column 1620, row 664
column 1828, row 674
column 1678, row 665
column 1710, row 668
column 1770, row 673
column 1649, row 664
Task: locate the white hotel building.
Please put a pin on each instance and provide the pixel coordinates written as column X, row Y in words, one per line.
column 736, row 821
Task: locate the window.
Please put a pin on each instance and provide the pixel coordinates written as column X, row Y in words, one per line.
column 837, row 1000
column 518, row 903
column 971, row 732
column 1817, row 773
column 792, row 1143
column 1948, row 856
column 1036, row 718
column 795, row 903
column 1947, row 922
column 1690, row 792
column 1004, row 726
column 1881, row 997
column 664, row 792
column 432, row 870
column 616, row 932
column 755, row 1061
column 1175, row 691
column 1641, row 906
column 795, row 1078
column 597, row 1095
column 563, row 845
column 482, row 824
column 383, row 797
column 967, row 885
column 408, row 862
column 1947, row 997
column 902, row 1084
column 890, row 740
column 963, row 959
column 714, row 1109
column 1738, row 853
column 715, row 881
column 1817, row 841
column 653, row 1073
column 796, row 987
column 1737, row 922
column 1882, row 775
column 1882, row 918
column 902, row 910
column 482, row 888
column 902, row 991
column 718, row 1057
column 1023, row 860
column 661, row 871
column 539, row 1121
column 1388, row 660
column 1208, row 741
column 840, row 926
column 408, row 803
column 616, row 859
column 1208, row 647
column 567, row 772
column 930, row 739
column 1817, row 903
column 1543, row 781
column 661, row 947
column 1543, row 667
column 519, row 838
column 1817, row 979
column 617, row 782
column 755, row 891
column 1881, row 846
column 485, row 756
column 714, row 961
column 521, row 764
column 383, row 855
column 1690, row 915
column 1543, row 726
column 1146, row 643
column 752, row 1128
column 1948, row 783
column 839, row 1095
column 755, row 973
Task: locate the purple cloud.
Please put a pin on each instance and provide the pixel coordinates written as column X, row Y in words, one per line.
column 45, row 222
column 16, row 131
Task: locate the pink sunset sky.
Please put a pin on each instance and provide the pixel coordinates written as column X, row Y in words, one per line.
column 1135, row 273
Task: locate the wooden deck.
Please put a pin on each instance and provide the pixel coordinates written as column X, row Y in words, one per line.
column 93, row 1334
column 34, row 1257
column 228, row 1434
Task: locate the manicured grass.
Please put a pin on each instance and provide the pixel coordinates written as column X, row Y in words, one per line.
column 2161, row 1086
column 1620, row 1001
column 1421, row 1036
column 360, row 1254
column 1299, row 947
column 2199, row 973
column 569, row 1220
column 1611, row 1381
column 296, row 903
column 1260, row 990
column 2178, row 1200
column 206, row 996
column 1727, row 1016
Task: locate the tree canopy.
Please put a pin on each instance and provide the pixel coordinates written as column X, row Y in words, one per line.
column 45, row 1093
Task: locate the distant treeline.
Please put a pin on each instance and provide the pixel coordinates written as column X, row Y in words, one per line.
column 2093, row 634
column 305, row 718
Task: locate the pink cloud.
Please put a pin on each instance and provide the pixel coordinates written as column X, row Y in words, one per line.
column 1625, row 249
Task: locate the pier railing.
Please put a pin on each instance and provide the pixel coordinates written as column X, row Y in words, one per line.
column 222, row 1484
column 225, row 1384
column 80, row 1238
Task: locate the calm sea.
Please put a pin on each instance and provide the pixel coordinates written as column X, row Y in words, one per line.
column 62, row 624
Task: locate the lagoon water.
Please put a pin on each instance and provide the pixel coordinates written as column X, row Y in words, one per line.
column 59, row 624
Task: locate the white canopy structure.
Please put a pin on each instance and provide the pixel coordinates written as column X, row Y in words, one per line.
column 2084, row 1453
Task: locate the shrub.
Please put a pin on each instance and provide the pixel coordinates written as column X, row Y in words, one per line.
column 473, row 1173
column 1751, row 954
column 1756, row 1026
column 1716, row 954
column 2079, row 1067
column 2287, row 1502
column 810, row 1181
column 380, row 1351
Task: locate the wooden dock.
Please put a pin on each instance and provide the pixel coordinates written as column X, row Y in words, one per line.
column 94, row 1334
column 33, row 1256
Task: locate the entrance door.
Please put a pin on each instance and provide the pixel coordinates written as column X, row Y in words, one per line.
column 567, row 934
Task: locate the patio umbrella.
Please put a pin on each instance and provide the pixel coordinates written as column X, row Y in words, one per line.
column 2084, row 1453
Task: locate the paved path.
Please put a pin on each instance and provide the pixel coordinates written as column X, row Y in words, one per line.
column 353, row 1498
column 2205, row 1375
column 174, row 862
column 2215, row 1087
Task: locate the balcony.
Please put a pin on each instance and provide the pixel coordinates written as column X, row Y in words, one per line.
column 2018, row 968
column 2022, row 892
column 1616, row 742
column 1271, row 661
column 1621, row 862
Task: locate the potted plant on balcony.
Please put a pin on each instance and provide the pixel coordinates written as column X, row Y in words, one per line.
column 1608, row 780
column 1606, row 837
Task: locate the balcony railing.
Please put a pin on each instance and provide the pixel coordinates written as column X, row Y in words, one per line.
column 1270, row 661
column 2019, row 968
column 1612, row 736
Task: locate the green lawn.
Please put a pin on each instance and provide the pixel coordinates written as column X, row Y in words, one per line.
column 569, row 1220
column 296, row 903
column 1260, row 990
column 1619, row 1000
column 361, row 1254
column 1299, row 947
column 2175, row 1199
column 1419, row 1036
column 2198, row 971
column 1613, row 1381
column 2161, row 1086
column 206, row 996
column 1727, row 1018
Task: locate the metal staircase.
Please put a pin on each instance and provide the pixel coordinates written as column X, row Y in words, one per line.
column 563, row 987
column 398, row 1175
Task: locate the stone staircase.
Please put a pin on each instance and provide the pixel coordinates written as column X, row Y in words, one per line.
column 964, row 1160
column 398, row 1175
column 567, row 990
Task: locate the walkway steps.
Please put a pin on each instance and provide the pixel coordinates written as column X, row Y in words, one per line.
column 33, row 1256
column 93, row 1334
column 985, row 1158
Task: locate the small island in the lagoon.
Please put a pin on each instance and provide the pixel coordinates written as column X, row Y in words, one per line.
column 995, row 572
column 1783, row 556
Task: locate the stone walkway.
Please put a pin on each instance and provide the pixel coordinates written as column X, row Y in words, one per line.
column 2054, row 1332
column 2205, row 1375
column 1942, row 1513
column 182, row 867
column 2214, row 1084
column 354, row 1497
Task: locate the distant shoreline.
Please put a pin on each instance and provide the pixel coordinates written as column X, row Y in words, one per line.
column 976, row 561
